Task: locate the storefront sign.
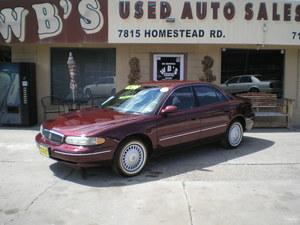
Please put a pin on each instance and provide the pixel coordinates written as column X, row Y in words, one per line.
column 194, row 21
column 61, row 21
column 168, row 67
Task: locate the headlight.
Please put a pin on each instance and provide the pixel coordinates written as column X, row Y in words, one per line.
column 84, row 141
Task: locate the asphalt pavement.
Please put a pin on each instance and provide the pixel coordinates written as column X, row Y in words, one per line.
column 258, row 183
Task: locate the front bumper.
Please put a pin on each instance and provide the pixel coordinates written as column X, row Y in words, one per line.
column 82, row 156
column 249, row 123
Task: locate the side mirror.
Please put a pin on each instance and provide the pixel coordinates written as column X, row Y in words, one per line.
column 169, row 109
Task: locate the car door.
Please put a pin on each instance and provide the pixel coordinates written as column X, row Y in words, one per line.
column 245, row 84
column 104, row 87
column 213, row 111
column 177, row 127
column 97, row 87
column 232, row 85
column 110, row 86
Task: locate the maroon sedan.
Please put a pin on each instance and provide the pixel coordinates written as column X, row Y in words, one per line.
column 143, row 119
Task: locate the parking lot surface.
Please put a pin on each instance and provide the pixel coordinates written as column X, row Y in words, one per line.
column 258, row 183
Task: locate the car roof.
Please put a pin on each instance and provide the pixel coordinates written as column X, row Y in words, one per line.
column 170, row 84
column 247, row 75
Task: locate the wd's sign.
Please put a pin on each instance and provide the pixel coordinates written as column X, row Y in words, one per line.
column 53, row 21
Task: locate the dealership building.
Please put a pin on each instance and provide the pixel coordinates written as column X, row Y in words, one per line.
column 169, row 39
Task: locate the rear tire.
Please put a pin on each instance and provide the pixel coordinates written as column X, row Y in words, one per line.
column 130, row 158
column 254, row 90
column 233, row 136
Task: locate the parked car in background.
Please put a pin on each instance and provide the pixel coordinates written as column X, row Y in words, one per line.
column 251, row 83
column 104, row 87
column 142, row 120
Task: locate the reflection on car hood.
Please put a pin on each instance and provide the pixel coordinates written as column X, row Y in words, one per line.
column 89, row 122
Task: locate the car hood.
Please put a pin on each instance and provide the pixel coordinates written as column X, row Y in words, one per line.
column 89, row 122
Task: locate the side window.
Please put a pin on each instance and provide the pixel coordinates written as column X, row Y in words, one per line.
column 245, row 80
column 208, row 95
column 233, row 80
column 182, row 98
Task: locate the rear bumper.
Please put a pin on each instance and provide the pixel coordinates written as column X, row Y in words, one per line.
column 77, row 155
column 249, row 123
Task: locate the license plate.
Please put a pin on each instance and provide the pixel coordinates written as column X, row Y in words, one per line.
column 44, row 151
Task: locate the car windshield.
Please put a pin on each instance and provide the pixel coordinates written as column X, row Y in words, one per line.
column 135, row 99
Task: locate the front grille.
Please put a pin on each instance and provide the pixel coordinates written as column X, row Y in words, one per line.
column 53, row 136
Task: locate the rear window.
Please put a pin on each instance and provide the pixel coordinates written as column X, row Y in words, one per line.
column 208, row 95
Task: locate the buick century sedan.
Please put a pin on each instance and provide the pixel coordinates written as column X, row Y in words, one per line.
column 142, row 120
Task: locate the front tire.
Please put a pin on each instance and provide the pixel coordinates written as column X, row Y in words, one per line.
column 130, row 158
column 233, row 136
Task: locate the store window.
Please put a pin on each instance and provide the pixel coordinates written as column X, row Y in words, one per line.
column 5, row 54
column 249, row 70
column 168, row 67
column 94, row 73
